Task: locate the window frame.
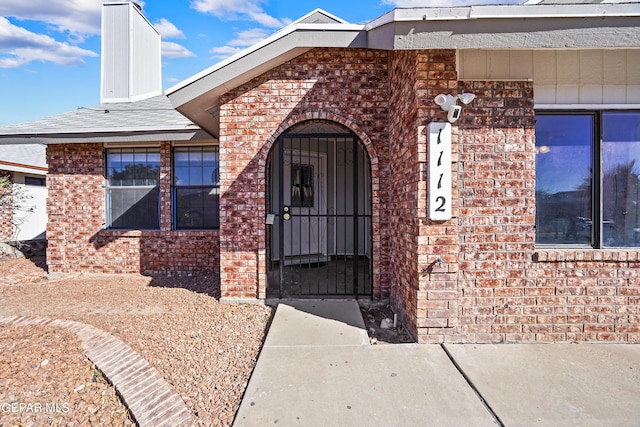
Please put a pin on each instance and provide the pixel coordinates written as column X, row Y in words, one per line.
column 597, row 156
column 108, row 187
column 175, row 187
column 35, row 181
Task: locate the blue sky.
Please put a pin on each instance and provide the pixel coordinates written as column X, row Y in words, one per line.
column 50, row 49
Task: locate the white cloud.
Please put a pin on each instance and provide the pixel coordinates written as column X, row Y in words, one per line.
column 243, row 39
column 223, row 52
column 174, row 50
column 249, row 37
column 239, row 10
column 268, row 20
column 79, row 18
column 19, row 46
column 167, row 30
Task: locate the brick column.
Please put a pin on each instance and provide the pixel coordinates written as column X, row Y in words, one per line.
column 7, row 230
column 166, row 211
column 437, row 295
column 425, row 293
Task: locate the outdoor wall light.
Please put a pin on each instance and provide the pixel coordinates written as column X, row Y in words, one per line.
column 448, row 103
column 466, row 98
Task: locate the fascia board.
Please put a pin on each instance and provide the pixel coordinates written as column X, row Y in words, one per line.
column 323, row 12
column 277, row 35
column 556, row 11
column 14, row 167
column 98, row 137
column 297, row 37
column 507, row 12
column 87, row 130
column 561, row 33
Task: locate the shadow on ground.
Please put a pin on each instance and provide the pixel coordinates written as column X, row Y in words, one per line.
column 202, row 284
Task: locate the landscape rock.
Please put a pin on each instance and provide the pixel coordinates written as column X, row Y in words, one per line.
column 156, row 316
column 8, row 251
column 386, row 323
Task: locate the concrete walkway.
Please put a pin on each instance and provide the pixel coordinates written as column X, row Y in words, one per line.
column 318, row 369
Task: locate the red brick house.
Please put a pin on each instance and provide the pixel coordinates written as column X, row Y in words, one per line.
column 318, row 163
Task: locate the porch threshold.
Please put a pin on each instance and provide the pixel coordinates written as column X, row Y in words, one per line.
column 242, row 301
column 312, row 322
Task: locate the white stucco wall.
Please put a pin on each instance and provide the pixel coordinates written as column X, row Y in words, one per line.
column 32, row 214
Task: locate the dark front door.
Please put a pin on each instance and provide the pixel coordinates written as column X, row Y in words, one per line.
column 320, row 198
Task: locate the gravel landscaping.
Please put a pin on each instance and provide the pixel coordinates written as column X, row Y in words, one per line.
column 45, row 379
column 205, row 349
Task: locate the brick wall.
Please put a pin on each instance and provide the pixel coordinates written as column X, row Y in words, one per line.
column 347, row 86
column 403, row 143
column 509, row 290
column 438, row 294
column 7, row 229
column 427, row 300
column 495, row 285
column 78, row 240
column 583, row 295
column 496, row 210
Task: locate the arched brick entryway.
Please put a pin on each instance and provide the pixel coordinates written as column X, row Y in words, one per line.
column 319, row 181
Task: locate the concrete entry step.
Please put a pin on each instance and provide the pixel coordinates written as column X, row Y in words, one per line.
column 317, row 323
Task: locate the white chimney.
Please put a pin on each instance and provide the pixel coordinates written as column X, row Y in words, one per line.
column 131, row 58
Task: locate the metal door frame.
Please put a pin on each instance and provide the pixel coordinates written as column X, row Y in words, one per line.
column 277, row 154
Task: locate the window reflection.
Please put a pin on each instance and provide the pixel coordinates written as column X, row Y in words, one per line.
column 196, row 179
column 564, row 179
column 133, row 192
column 621, row 179
column 302, row 186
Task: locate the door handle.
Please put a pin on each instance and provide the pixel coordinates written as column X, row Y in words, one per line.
column 286, row 215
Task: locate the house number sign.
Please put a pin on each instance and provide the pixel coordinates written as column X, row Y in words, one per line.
column 439, row 166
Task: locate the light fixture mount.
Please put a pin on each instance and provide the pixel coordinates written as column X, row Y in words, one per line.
column 466, row 98
column 449, row 103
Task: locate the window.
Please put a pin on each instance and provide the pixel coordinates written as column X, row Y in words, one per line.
column 301, row 186
column 133, row 188
column 196, row 180
column 36, row 181
column 588, row 178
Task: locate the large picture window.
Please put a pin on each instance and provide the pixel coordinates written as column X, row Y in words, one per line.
column 133, row 178
column 196, row 180
column 588, row 178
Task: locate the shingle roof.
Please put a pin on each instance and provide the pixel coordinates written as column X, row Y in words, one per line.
column 149, row 120
column 155, row 114
column 17, row 155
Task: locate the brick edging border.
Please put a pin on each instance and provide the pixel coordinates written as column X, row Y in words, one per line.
column 143, row 390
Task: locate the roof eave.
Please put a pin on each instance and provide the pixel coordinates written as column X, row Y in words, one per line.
column 417, row 14
column 197, row 97
column 322, row 31
column 585, row 26
column 17, row 167
column 132, row 136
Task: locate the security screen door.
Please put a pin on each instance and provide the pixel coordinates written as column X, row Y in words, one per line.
column 305, row 197
column 320, row 239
